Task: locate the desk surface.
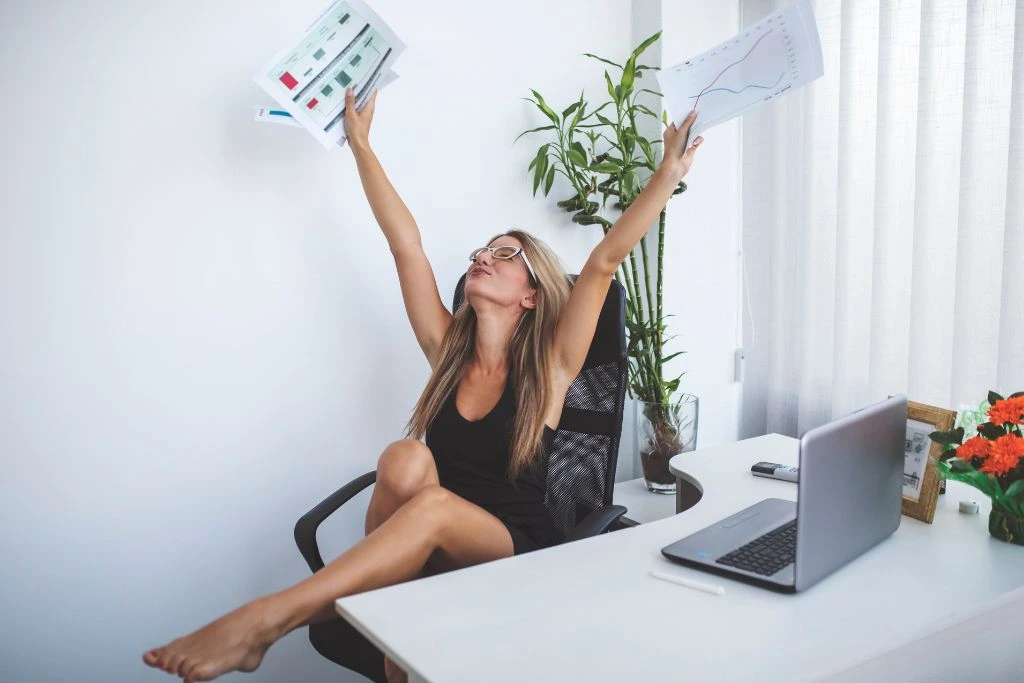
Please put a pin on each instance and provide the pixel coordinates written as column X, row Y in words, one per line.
column 590, row 611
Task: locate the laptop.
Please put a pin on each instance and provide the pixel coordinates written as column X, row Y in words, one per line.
column 849, row 495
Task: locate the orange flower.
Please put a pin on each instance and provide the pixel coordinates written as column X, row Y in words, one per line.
column 1004, row 455
column 1007, row 410
column 974, row 447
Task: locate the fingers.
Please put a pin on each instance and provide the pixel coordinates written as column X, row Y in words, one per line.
column 688, row 121
column 368, row 105
column 676, row 136
column 689, row 154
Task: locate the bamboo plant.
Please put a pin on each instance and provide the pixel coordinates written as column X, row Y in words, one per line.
column 602, row 154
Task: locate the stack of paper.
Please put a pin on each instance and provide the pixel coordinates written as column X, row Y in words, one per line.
column 348, row 46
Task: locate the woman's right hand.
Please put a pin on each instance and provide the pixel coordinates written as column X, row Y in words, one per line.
column 357, row 122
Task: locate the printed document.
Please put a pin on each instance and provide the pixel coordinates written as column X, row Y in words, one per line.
column 775, row 56
column 347, row 46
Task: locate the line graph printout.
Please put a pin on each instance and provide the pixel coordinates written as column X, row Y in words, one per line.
column 347, row 46
column 776, row 55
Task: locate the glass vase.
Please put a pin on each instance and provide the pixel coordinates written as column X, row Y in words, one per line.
column 1005, row 526
column 664, row 430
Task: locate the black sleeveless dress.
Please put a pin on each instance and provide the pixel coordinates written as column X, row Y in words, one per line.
column 472, row 460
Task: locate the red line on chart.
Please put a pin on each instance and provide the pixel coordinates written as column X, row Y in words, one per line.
column 729, row 67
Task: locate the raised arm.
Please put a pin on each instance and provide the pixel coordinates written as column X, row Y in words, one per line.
column 576, row 326
column 427, row 314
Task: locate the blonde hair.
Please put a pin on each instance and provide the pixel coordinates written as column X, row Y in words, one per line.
column 529, row 357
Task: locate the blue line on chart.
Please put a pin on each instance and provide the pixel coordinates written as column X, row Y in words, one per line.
column 277, row 112
column 737, row 92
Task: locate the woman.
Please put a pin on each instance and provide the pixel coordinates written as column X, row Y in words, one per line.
column 501, row 367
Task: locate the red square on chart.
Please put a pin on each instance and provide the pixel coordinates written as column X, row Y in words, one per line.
column 312, row 103
column 288, row 80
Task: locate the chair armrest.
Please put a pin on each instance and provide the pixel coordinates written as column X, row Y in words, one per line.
column 305, row 528
column 597, row 522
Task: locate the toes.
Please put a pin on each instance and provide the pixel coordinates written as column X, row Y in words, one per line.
column 184, row 666
column 149, row 658
column 173, row 663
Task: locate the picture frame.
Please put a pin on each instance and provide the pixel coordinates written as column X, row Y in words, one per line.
column 920, row 476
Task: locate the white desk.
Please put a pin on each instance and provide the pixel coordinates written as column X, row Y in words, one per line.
column 589, row 610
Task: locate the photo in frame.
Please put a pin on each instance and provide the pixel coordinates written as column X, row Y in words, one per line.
column 920, row 477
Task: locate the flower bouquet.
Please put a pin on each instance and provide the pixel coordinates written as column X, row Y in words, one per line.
column 991, row 460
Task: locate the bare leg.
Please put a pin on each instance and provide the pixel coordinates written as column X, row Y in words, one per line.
column 435, row 520
column 404, row 469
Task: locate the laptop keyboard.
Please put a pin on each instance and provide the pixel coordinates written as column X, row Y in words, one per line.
column 766, row 554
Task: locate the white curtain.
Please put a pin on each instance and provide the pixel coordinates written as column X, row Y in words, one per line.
column 883, row 215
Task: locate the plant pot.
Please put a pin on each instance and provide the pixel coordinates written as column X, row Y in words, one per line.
column 1006, row 526
column 664, row 430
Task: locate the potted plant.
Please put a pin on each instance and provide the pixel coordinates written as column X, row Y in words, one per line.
column 604, row 155
column 991, row 460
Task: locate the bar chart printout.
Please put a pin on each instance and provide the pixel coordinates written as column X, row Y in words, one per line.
column 347, row 46
column 776, row 55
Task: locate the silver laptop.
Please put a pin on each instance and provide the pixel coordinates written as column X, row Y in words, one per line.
column 848, row 500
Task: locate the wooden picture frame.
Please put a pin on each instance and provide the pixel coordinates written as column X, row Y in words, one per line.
column 919, row 473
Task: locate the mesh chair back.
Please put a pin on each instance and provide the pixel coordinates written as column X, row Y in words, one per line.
column 581, row 465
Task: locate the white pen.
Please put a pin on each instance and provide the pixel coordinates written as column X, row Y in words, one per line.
column 689, row 583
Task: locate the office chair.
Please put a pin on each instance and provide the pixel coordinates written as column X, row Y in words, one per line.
column 581, row 473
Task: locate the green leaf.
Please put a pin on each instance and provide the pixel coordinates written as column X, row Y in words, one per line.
column 532, row 130
column 653, row 92
column 1016, row 489
column 1017, row 395
column 646, row 44
column 543, row 106
column 631, row 182
column 576, row 158
column 539, row 172
column 605, row 167
column 579, row 148
column 570, row 109
column 579, row 113
column 611, row 88
column 602, row 59
column 628, row 76
column 549, row 180
column 646, row 110
column 991, row 431
column 646, row 147
column 993, row 397
column 944, row 438
column 596, row 111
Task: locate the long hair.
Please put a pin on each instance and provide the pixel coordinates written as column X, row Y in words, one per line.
column 529, row 356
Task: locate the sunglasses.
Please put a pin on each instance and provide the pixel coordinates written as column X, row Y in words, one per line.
column 506, row 254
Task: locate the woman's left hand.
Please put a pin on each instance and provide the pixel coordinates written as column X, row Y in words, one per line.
column 678, row 158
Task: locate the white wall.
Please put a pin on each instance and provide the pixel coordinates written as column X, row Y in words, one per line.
column 202, row 333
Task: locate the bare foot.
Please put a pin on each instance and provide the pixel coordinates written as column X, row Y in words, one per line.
column 393, row 672
column 236, row 641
